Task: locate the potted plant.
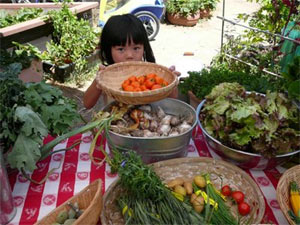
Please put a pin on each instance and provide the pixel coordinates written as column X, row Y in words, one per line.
column 183, row 12
column 73, row 40
column 206, row 7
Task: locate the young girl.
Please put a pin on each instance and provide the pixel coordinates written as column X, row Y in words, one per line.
column 123, row 39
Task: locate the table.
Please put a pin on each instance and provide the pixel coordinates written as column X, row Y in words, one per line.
column 76, row 171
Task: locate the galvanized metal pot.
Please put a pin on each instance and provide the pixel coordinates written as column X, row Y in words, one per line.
column 240, row 158
column 153, row 149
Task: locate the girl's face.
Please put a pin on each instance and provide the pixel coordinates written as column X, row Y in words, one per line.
column 129, row 52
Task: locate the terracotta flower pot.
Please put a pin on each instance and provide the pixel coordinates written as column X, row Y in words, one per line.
column 183, row 21
column 205, row 13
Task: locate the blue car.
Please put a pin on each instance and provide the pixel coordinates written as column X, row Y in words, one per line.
column 148, row 11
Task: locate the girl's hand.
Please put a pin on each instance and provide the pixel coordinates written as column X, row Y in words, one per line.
column 101, row 67
column 174, row 93
column 173, row 69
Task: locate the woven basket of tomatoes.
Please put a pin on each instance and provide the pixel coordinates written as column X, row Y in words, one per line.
column 137, row 82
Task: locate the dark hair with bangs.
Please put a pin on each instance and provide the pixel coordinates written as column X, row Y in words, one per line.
column 117, row 30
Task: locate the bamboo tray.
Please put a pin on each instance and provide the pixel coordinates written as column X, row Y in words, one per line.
column 282, row 191
column 110, row 80
column 89, row 199
column 187, row 168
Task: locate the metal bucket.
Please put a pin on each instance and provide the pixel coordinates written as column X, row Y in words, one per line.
column 153, row 149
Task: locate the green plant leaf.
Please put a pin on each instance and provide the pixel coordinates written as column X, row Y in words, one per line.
column 294, row 89
column 25, row 152
column 32, row 124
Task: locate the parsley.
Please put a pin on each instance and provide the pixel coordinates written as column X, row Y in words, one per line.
column 201, row 83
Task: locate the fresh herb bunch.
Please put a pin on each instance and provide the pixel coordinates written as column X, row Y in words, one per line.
column 134, row 175
column 223, row 214
column 201, row 83
column 146, row 199
column 22, row 15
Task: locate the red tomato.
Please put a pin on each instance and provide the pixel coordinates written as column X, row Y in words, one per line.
column 238, row 196
column 244, row 208
column 149, row 83
column 155, row 86
column 226, row 190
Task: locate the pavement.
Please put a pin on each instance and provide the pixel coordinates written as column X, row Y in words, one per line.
column 203, row 40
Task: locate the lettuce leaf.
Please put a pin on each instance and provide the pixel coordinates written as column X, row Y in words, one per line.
column 25, row 152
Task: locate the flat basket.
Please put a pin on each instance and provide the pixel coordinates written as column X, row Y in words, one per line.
column 283, row 187
column 89, row 199
column 110, row 80
column 187, row 168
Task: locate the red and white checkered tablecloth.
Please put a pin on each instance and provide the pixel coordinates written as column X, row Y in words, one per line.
column 76, row 171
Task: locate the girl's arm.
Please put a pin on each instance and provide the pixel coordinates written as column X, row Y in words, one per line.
column 91, row 95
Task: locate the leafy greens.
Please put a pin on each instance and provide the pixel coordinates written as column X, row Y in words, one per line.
column 268, row 124
column 28, row 113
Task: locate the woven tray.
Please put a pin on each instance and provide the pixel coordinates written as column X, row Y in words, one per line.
column 89, row 199
column 187, row 168
column 282, row 191
column 110, row 80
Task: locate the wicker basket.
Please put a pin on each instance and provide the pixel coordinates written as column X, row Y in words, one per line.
column 89, row 199
column 187, row 168
column 282, row 191
column 110, row 80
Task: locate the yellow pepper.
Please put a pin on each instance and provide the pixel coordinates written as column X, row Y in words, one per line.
column 295, row 198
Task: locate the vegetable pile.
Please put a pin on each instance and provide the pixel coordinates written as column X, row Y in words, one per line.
column 147, row 82
column 146, row 199
column 68, row 217
column 28, row 113
column 205, row 199
column 150, row 121
column 238, row 197
column 268, row 125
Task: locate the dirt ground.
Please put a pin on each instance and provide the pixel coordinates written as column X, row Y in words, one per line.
column 169, row 46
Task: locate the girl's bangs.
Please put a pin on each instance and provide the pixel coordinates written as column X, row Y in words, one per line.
column 124, row 34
